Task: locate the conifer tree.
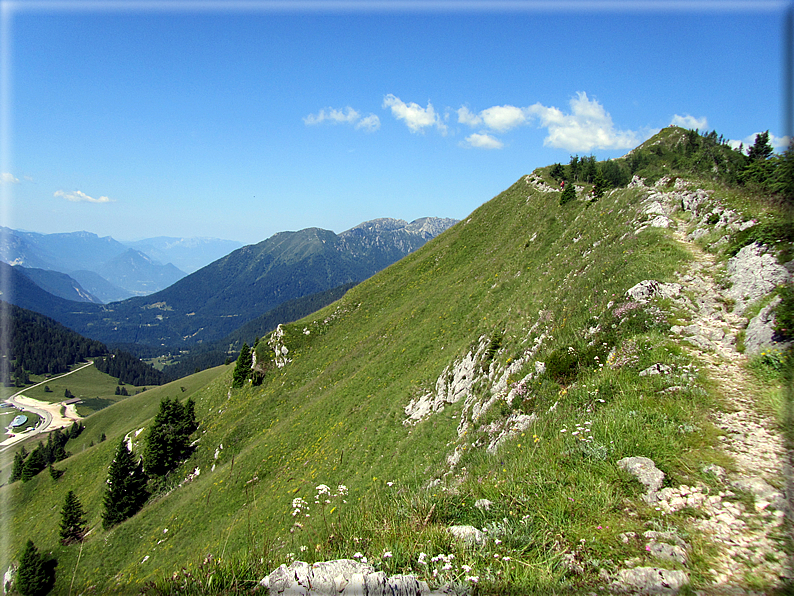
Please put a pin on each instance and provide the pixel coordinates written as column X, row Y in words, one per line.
column 568, row 194
column 73, row 522
column 55, row 473
column 599, row 186
column 168, row 441
column 126, row 492
column 32, row 577
column 34, row 463
column 242, row 369
column 761, row 149
column 557, row 171
column 19, row 465
column 75, row 430
column 573, row 168
column 760, row 167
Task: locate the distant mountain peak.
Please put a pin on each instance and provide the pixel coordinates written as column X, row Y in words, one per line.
column 427, row 227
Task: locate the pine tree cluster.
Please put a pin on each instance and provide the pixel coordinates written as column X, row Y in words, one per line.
column 126, row 492
column 168, row 441
column 44, row 455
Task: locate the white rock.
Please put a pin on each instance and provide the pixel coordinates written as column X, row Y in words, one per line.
column 649, row 288
column 754, row 273
column 468, row 534
column 649, row 580
column 483, row 504
column 644, row 470
column 661, row 222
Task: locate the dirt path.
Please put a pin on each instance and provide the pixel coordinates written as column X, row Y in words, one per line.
column 750, row 540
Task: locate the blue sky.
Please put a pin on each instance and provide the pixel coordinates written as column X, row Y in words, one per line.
column 240, row 120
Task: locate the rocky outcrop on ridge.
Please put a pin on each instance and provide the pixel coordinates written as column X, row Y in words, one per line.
column 342, row 577
column 754, row 273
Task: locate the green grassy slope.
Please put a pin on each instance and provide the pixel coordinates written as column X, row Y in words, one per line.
column 95, row 388
column 521, row 271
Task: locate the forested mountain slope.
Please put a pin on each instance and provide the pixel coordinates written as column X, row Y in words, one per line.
column 221, row 297
column 39, row 345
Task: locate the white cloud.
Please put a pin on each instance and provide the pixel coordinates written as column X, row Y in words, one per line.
column 466, row 117
column 690, row 122
column 588, row 126
column 415, row 116
column 335, row 116
column 779, row 142
column 503, row 118
column 80, row 197
column 498, row 118
column 369, row 123
column 8, row 178
column 482, row 141
column 348, row 115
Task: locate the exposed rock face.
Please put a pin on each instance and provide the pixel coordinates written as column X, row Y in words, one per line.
column 649, row 288
column 760, row 330
column 342, row 577
column 667, row 546
column 538, row 184
column 454, row 383
column 660, row 221
column 754, row 273
column 280, row 350
column 387, row 232
column 644, row 470
column 516, row 423
column 649, row 580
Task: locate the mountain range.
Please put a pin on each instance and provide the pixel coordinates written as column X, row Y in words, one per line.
column 109, row 269
column 241, row 286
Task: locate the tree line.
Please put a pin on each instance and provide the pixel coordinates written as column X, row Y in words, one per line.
column 39, row 345
column 129, row 369
column 26, row 466
column 705, row 154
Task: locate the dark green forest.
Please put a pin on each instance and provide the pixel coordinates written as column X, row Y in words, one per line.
column 41, row 346
column 705, row 154
column 128, row 369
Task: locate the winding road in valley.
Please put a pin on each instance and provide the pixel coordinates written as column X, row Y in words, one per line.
column 49, row 412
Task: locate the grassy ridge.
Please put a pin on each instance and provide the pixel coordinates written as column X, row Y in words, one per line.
column 334, row 415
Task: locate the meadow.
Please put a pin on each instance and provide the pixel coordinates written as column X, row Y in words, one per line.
column 523, row 274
